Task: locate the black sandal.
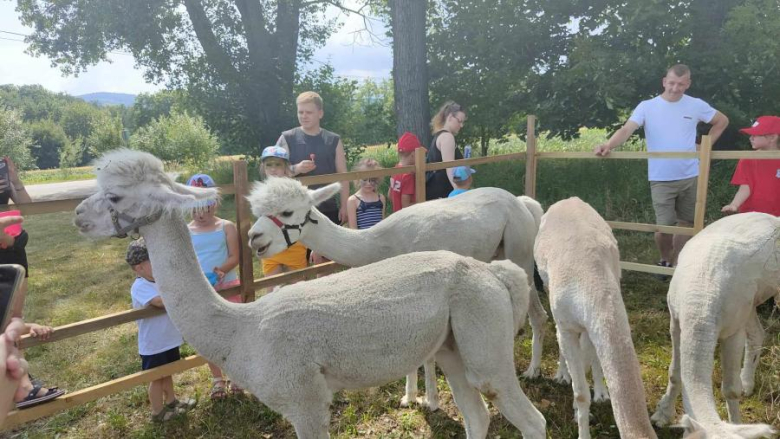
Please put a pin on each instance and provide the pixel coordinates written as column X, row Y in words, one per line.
column 33, row 399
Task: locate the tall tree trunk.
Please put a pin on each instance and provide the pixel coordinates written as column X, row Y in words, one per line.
column 410, row 68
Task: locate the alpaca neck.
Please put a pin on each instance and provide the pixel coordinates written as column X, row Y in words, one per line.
column 342, row 245
column 204, row 319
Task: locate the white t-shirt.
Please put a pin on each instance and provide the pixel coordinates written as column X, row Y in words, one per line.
column 155, row 334
column 671, row 126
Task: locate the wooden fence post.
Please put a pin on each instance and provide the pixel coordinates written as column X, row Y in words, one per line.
column 419, row 175
column 243, row 224
column 705, row 155
column 530, row 158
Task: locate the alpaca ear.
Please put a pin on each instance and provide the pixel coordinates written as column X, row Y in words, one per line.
column 182, row 197
column 324, row 193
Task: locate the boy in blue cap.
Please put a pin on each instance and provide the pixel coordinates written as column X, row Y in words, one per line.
column 461, row 176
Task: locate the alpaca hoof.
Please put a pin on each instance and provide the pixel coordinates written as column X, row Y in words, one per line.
column 600, row 395
column 748, row 387
column 562, row 377
column 532, row 372
column 405, row 401
column 661, row 419
column 430, row 405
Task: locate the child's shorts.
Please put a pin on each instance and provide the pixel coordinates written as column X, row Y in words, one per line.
column 152, row 361
column 294, row 257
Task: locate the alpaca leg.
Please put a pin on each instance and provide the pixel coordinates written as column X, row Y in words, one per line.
column 731, row 355
column 411, row 389
column 512, row 402
column 562, row 376
column 755, row 341
column 569, row 342
column 431, row 391
column 475, row 414
column 537, row 316
column 307, row 406
column 600, row 392
column 665, row 412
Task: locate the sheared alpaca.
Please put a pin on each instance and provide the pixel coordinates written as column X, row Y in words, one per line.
column 578, row 259
column 360, row 328
column 722, row 275
column 483, row 223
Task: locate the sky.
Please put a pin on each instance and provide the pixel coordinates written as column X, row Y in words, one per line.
column 353, row 55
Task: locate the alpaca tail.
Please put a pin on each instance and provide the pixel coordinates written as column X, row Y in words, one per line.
column 534, row 207
column 516, row 282
column 615, row 350
column 745, row 431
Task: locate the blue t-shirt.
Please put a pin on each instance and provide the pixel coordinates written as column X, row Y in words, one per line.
column 456, row 192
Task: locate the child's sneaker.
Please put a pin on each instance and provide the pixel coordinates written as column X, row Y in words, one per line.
column 663, row 277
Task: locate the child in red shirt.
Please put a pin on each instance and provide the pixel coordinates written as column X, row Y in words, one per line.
column 758, row 180
column 401, row 190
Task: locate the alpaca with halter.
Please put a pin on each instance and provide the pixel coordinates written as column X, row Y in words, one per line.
column 484, row 223
column 294, row 349
column 723, row 274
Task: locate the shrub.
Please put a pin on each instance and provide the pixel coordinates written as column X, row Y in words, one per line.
column 15, row 140
column 48, row 140
column 177, row 138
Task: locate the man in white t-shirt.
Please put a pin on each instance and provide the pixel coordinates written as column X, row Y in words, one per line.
column 158, row 338
column 670, row 120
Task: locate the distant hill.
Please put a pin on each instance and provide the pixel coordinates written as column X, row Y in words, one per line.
column 103, row 98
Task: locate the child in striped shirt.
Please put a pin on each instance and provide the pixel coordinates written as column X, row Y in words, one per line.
column 366, row 206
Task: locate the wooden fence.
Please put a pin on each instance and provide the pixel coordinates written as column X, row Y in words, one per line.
column 249, row 284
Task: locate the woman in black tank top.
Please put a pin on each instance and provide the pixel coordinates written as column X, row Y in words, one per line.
column 445, row 124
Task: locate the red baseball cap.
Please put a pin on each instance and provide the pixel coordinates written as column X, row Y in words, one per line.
column 408, row 143
column 763, row 126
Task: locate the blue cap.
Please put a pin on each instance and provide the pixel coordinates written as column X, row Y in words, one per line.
column 275, row 151
column 462, row 173
column 201, row 180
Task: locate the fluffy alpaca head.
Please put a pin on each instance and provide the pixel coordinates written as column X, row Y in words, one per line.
column 287, row 201
column 695, row 430
column 134, row 184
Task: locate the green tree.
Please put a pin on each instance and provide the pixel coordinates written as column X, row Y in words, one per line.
column 48, row 140
column 237, row 58
column 150, row 106
column 15, row 140
column 106, row 135
column 177, row 138
column 374, row 117
column 72, row 153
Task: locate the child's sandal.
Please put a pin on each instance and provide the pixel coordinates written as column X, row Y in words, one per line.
column 182, row 406
column 164, row 415
column 235, row 389
column 218, row 390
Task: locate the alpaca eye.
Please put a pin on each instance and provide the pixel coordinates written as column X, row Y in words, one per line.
column 287, row 213
column 114, row 198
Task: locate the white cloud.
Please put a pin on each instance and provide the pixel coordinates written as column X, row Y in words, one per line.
column 352, row 53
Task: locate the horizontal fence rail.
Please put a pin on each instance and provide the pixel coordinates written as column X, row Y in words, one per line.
column 249, row 285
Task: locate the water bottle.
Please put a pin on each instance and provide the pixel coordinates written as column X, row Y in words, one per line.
column 467, row 152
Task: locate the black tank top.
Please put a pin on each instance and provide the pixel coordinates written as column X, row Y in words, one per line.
column 323, row 146
column 437, row 184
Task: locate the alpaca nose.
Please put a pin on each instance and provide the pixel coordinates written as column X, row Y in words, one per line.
column 80, row 209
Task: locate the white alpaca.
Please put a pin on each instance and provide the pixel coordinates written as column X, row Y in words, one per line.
column 722, row 274
column 578, row 259
column 482, row 223
column 360, row 328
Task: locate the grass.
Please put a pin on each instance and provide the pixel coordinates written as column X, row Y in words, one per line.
column 74, row 279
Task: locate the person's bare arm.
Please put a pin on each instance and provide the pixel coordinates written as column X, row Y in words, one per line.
column 341, row 167
column 384, row 204
column 18, row 192
column 743, row 193
column 352, row 204
column 231, row 235
column 446, row 143
column 617, row 139
column 406, row 201
column 157, row 302
column 719, row 123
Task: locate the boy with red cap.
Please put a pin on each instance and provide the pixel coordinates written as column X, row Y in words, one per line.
column 758, row 180
column 401, row 190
